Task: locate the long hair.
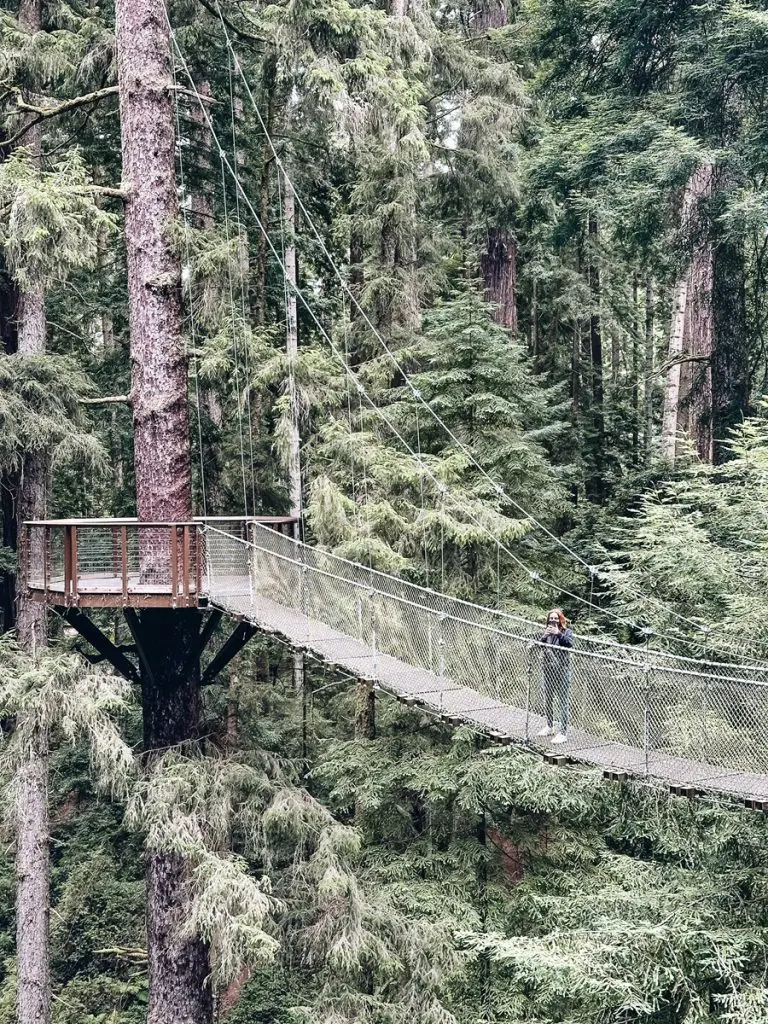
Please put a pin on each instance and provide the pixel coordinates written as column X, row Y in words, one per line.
column 561, row 618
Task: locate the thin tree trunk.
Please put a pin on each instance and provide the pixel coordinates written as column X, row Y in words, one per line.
column 365, row 710
column 260, row 271
column 688, row 395
column 595, row 487
column 33, row 998
column 674, row 354
column 636, row 334
column 179, row 991
column 576, row 372
column 649, row 360
column 33, row 887
column 534, row 320
column 292, row 351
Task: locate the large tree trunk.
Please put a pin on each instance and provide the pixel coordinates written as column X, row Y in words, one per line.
column 179, row 992
column 159, row 369
column 696, row 375
column 498, row 267
column 730, row 362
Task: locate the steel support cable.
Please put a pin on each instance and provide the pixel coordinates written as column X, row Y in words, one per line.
column 533, row 576
column 492, row 623
column 235, row 355
column 241, row 277
column 498, row 488
column 195, row 368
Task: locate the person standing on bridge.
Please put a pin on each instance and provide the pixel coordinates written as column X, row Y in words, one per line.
column 556, row 673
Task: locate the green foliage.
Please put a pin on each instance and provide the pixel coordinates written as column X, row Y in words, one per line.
column 39, row 413
column 49, row 212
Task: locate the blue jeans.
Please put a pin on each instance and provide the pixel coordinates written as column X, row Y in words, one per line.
column 556, row 681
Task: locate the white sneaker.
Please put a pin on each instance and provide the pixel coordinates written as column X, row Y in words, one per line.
column 548, row 730
column 560, row 738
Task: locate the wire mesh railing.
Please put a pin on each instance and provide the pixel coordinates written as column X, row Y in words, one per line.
column 658, row 706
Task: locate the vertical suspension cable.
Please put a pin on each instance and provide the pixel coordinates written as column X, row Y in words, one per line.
column 241, row 277
column 345, row 331
column 185, row 224
column 235, row 355
column 421, row 489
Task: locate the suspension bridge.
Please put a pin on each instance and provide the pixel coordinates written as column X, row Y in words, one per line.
column 696, row 725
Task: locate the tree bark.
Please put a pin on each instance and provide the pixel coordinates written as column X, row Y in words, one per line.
column 594, row 483
column 365, row 710
column 499, row 271
column 292, row 351
column 33, row 887
column 688, row 397
column 33, row 999
column 696, row 377
column 730, row 357
column 674, row 354
column 159, row 369
column 498, row 263
column 649, row 360
column 30, row 340
column 179, row 992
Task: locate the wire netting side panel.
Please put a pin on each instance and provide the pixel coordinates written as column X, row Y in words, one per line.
column 229, row 572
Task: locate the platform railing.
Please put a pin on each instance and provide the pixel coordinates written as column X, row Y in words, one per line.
column 648, row 712
column 123, row 562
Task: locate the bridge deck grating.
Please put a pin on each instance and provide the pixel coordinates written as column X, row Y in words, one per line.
column 450, row 699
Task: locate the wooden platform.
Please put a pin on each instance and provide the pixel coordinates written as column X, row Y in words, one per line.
column 124, row 563
column 452, row 701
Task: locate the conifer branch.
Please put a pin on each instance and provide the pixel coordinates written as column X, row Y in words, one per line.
column 107, row 400
column 241, row 33
column 43, row 113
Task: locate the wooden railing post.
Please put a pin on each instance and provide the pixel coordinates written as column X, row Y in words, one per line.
column 74, row 562
column 199, row 543
column 185, row 559
column 124, row 560
column 46, row 557
column 67, row 563
column 174, row 564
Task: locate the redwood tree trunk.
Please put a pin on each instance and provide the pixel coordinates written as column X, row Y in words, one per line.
column 179, row 992
column 158, row 363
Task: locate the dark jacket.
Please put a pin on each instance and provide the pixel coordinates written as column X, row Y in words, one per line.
column 556, row 656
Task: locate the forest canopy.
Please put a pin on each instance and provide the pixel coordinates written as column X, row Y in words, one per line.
column 475, row 293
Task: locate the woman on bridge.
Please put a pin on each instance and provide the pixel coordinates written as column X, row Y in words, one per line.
column 556, row 673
